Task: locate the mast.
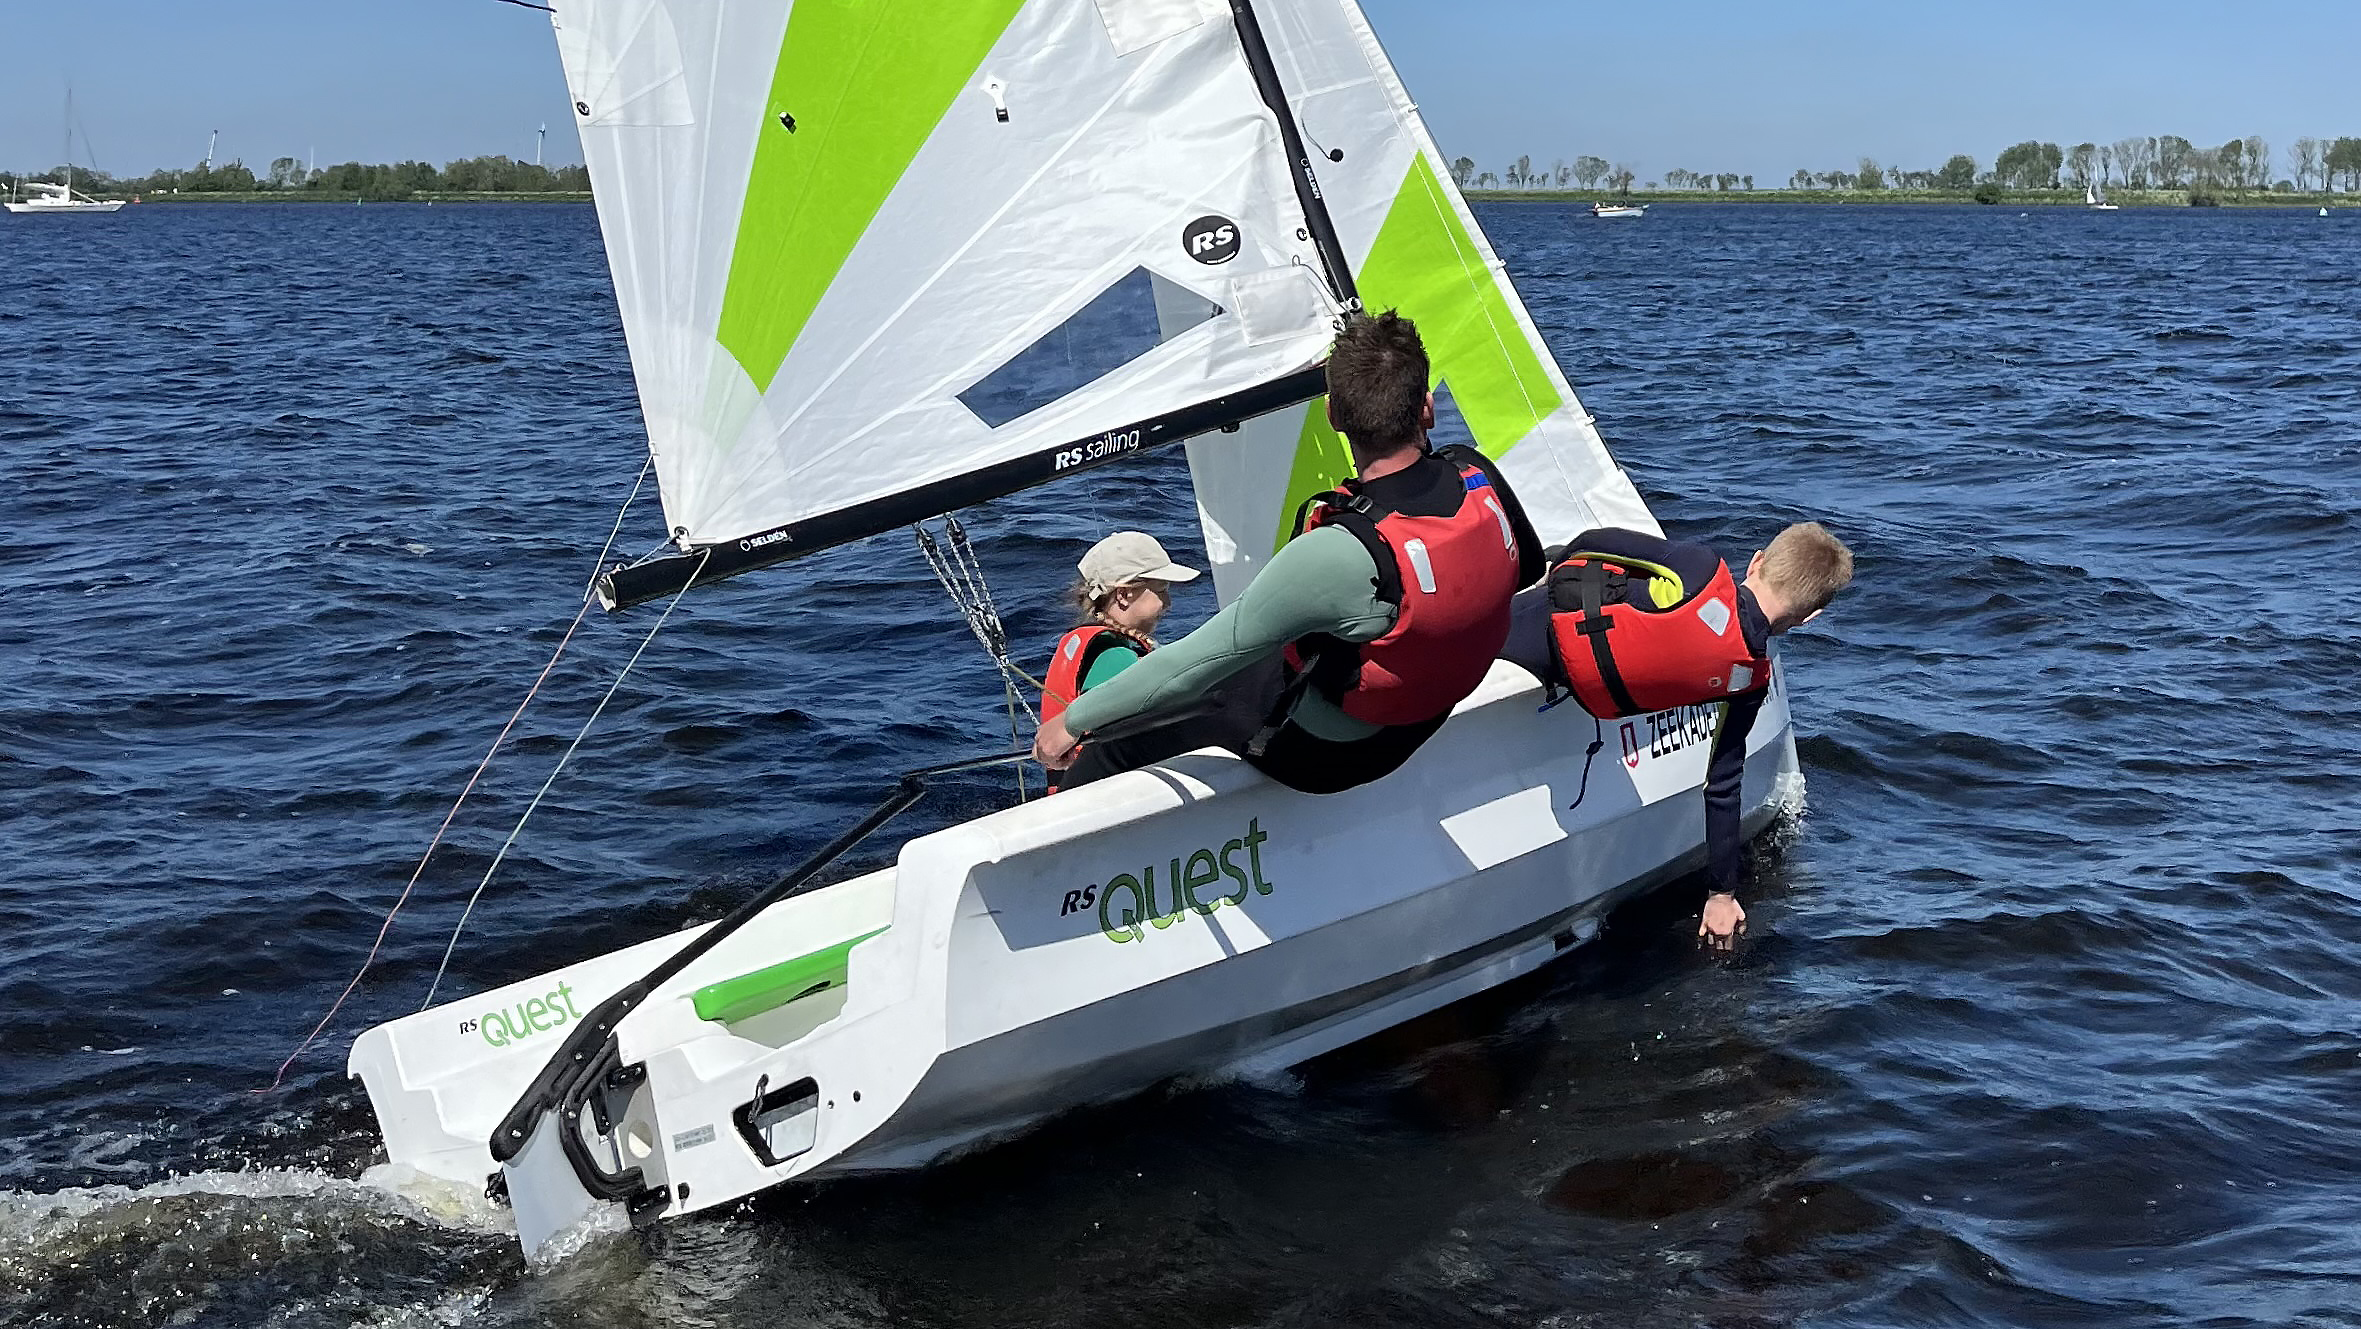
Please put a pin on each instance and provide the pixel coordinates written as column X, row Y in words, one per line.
column 1307, row 182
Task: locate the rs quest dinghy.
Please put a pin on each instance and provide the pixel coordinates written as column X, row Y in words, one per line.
column 878, row 262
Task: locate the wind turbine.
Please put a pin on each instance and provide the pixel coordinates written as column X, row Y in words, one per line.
column 538, row 140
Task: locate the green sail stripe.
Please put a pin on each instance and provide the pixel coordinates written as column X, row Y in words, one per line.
column 866, row 81
column 1425, row 264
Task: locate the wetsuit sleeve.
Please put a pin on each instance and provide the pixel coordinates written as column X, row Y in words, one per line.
column 1322, row 581
column 1725, row 773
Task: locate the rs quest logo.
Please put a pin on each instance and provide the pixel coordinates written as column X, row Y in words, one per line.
column 514, row 1024
column 1130, row 899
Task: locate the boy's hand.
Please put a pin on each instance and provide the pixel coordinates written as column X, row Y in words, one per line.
column 1722, row 921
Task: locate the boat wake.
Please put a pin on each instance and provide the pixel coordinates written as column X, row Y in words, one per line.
column 265, row 1246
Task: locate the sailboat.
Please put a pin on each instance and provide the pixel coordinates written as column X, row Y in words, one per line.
column 833, row 230
column 43, row 198
column 2094, row 196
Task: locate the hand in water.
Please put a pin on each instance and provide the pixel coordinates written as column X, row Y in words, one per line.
column 1053, row 746
column 1723, row 920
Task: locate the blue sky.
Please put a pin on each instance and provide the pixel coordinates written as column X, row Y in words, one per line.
column 1737, row 85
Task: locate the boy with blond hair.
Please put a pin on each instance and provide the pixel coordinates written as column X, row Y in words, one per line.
column 1788, row 583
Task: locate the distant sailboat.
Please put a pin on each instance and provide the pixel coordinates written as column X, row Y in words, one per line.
column 2095, row 196
column 43, row 197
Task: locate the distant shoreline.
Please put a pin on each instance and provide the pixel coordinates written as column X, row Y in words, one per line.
column 317, row 196
column 2048, row 198
column 2059, row 198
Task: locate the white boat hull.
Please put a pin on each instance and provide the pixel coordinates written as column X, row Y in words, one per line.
column 1639, row 211
column 1044, row 957
column 78, row 205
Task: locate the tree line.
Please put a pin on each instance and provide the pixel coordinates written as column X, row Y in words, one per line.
column 386, row 182
column 2164, row 162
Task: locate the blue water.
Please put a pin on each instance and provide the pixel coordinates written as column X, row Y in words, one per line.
column 2047, row 1015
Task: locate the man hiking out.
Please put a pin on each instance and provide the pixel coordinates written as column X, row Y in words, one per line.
column 1352, row 645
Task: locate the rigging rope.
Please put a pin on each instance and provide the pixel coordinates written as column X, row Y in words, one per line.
column 961, row 573
column 588, row 591
column 563, row 758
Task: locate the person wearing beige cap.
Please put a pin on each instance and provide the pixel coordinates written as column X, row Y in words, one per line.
column 1126, row 586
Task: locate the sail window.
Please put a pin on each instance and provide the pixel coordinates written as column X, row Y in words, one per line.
column 1122, row 323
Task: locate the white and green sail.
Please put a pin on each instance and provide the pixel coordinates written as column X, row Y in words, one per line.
column 876, row 255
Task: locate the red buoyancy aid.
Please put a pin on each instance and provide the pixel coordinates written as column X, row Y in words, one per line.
column 1071, row 664
column 1076, row 651
column 1450, row 578
column 1623, row 659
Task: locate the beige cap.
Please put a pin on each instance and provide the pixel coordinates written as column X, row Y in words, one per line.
column 1129, row 556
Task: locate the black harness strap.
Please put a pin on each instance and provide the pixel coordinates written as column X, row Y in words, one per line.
column 1591, row 582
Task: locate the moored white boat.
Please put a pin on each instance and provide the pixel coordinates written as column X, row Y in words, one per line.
column 1618, row 209
column 49, row 198
column 1125, row 184
column 55, row 199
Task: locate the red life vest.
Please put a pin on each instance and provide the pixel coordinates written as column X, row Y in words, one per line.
column 1622, row 658
column 1077, row 650
column 1450, row 578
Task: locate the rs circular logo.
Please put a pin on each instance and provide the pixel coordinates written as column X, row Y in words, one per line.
column 1210, row 239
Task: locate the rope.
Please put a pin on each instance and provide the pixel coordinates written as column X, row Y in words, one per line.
column 961, row 573
column 415, row 873
column 563, row 758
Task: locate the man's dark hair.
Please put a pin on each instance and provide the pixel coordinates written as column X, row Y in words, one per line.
column 1377, row 382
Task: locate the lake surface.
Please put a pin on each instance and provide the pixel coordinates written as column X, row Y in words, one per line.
column 2048, row 1015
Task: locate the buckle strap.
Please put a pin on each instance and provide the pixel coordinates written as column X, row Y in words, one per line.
column 1591, row 584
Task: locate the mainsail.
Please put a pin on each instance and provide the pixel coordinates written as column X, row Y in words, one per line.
column 877, row 261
